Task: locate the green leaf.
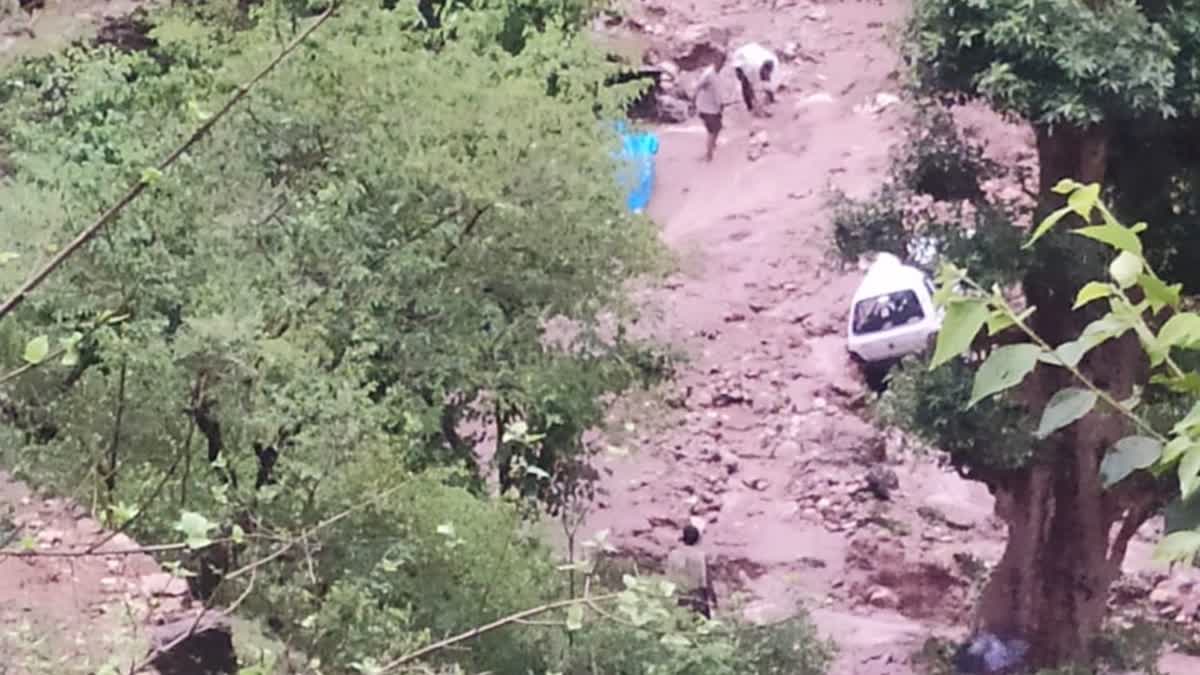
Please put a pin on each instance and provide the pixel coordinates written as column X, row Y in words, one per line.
column 8, row 256
column 959, row 328
column 1176, row 448
column 1093, row 290
column 1178, row 547
column 195, row 529
column 675, row 640
column 1158, row 293
column 1181, row 330
column 1189, row 421
column 1128, row 455
column 237, row 534
column 1126, row 269
column 1189, row 472
column 1084, row 199
column 28, row 543
column 1065, row 407
column 1004, row 368
column 150, row 176
column 574, row 617
column 37, row 349
column 446, row 530
column 1000, row 320
column 1050, row 221
column 1182, row 514
column 1066, row 186
column 1117, row 236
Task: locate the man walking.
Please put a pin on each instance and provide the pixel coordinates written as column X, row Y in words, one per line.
column 756, row 68
column 710, row 103
column 687, row 567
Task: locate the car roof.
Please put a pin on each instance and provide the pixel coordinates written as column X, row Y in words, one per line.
column 888, row 275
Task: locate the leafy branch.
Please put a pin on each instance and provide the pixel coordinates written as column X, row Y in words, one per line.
column 150, row 176
column 970, row 308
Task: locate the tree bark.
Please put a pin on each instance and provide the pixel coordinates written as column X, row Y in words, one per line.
column 1050, row 588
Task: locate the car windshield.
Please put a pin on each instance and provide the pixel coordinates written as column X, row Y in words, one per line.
column 887, row 311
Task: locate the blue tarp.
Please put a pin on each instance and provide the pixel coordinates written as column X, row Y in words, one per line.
column 637, row 166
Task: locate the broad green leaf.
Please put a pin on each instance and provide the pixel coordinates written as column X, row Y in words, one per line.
column 1083, row 200
column 1159, row 294
column 1176, row 448
column 1000, row 320
column 1117, row 236
column 237, row 534
column 1128, row 455
column 1066, row 186
column 574, row 617
column 959, row 328
column 37, row 349
column 1189, row 383
column 1181, row 330
column 1182, row 514
column 1050, row 221
column 1189, row 421
column 8, row 256
column 1189, row 472
column 1066, row 354
column 1065, row 407
column 1126, row 269
column 1004, row 368
column 1178, row 547
column 195, row 529
column 1093, row 290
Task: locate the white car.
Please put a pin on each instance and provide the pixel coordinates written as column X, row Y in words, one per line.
column 892, row 313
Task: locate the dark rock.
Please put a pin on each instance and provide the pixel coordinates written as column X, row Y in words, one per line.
column 187, row 646
column 882, row 481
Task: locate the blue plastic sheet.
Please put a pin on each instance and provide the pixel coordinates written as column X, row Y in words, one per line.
column 636, row 175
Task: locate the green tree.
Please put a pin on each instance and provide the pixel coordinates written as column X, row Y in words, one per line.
column 1108, row 87
column 1162, row 452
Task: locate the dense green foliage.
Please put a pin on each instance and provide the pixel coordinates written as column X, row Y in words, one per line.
column 933, row 204
column 393, row 277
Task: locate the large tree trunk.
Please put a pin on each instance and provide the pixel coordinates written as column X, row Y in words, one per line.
column 1051, row 586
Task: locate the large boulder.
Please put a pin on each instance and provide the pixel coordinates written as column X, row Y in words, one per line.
column 193, row 644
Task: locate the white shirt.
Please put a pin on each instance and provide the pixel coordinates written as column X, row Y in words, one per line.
column 751, row 57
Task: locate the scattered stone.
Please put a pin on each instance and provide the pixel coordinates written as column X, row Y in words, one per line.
column 162, row 584
column 48, row 538
column 759, row 142
column 696, row 46
column 884, row 598
column 758, row 484
column 671, row 109
column 191, row 646
column 882, row 481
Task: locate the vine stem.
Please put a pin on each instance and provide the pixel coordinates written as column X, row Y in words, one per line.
column 1074, row 370
column 140, row 186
